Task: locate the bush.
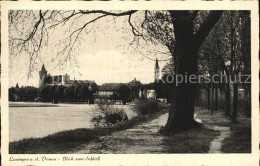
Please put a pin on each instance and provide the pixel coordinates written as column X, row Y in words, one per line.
column 124, row 92
column 110, row 115
column 146, row 106
column 114, row 115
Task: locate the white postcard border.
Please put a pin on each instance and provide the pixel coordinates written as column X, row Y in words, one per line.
column 138, row 159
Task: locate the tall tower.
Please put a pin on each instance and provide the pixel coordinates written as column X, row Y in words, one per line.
column 156, row 70
column 42, row 76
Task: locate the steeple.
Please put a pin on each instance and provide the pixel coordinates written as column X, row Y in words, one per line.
column 43, row 68
column 42, row 76
column 156, row 64
column 156, row 70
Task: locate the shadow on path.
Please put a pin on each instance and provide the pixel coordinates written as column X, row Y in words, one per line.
column 145, row 138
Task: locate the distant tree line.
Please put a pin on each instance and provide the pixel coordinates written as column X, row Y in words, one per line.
column 55, row 94
column 28, row 93
column 83, row 93
column 227, row 51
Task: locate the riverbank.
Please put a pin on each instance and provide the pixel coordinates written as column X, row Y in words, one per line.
column 37, row 120
column 141, row 135
column 145, row 138
column 64, row 141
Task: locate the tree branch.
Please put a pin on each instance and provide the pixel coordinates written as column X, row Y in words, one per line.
column 206, row 26
column 194, row 14
column 109, row 13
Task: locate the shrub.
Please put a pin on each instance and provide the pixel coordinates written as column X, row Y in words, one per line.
column 146, row 106
column 124, row 92
column 114, row 115
column 110, row 115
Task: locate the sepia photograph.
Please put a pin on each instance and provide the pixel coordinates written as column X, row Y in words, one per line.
column 99, row 81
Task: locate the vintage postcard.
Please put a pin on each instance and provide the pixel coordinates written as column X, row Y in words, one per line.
column 130, row 83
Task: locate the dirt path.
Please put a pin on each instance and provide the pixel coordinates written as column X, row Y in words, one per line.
column 232, row 137
column 145, row 138
column 217, row 143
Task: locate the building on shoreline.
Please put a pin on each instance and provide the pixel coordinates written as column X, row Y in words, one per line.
column 113, row 91
column 45, row 79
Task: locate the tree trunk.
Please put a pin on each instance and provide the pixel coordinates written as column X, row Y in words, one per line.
column 216, row 97
column 248, row 101
column 212, row 97
column 124, row 101
column 208, row 94
column 246, row 56
column 181, row 114
column 235, row 100
column 227, row 96
column 247, row 106
column 197, row 97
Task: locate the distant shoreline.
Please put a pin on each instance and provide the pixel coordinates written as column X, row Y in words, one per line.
column 40, row 104
column 31, row 104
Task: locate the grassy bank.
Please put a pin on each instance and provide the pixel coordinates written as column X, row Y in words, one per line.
column 64, row 141
column 196, row 140
column 144, row 138
column 240, row 139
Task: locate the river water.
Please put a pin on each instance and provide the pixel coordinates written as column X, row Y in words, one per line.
column 28, row 120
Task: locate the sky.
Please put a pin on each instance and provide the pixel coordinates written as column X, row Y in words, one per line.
column 103, row 55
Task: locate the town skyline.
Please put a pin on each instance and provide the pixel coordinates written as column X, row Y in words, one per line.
column 101, row 77
column 98, row 55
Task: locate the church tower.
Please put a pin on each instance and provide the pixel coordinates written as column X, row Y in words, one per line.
column 156, row 70
column 42, row 76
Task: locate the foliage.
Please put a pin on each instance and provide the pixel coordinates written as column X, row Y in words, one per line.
column 76, row 90
column 51, row 93
column 59, row 92
column 167, row 85
column 110, row 115
column 12, row 92
column 226, row 50
column 28, row 93
column 94, row 87
column 83, row 92
column 47, row 93
column 69, row 92
column 124, row 92
column 146, row 106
